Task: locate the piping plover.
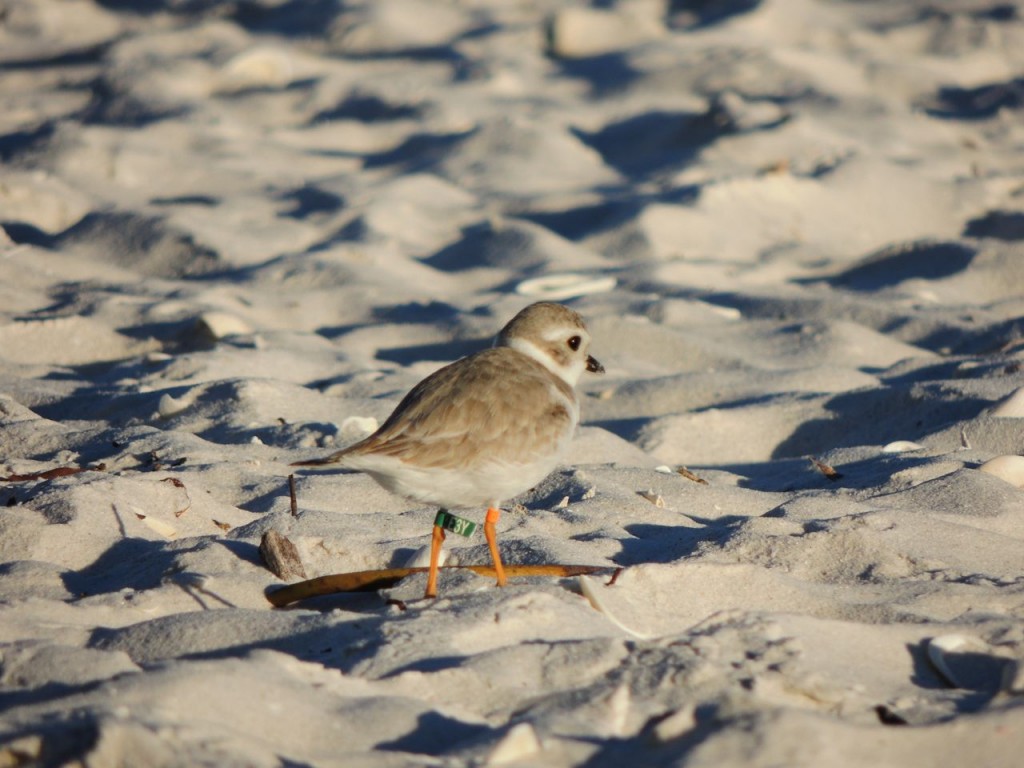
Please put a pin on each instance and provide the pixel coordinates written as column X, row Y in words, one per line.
column 484, row 428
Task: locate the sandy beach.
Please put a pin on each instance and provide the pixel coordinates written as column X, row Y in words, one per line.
column 232, row 237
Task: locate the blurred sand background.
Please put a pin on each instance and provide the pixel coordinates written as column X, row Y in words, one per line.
column 235, row 233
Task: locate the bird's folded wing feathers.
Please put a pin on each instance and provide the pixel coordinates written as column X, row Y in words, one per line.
column 498, row 405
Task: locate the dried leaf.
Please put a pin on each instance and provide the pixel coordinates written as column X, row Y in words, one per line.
column 178, row 484
column 826, row 469
column 48, row 474
column 222, row 526
column 690, row 476
column 779, row 166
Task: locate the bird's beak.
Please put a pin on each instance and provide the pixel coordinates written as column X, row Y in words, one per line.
column 593, row 366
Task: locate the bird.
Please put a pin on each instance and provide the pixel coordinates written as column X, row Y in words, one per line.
column 483, row 429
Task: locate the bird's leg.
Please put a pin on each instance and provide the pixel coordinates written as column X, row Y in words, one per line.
column 435, row 555
column 493, row 515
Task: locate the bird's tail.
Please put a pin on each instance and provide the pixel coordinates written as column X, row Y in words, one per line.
column 334, row 458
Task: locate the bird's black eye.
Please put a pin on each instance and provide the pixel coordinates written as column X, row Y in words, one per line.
column 574, row 343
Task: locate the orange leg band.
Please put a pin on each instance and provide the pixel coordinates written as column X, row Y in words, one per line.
column 493, row 515
column 435, row 555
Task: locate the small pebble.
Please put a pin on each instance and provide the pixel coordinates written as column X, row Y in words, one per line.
column 281, row 557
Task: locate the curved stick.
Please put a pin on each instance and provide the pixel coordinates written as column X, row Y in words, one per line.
column 370, row 581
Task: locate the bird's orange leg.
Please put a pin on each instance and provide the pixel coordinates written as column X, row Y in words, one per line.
column 493, row 515
column 435, row 555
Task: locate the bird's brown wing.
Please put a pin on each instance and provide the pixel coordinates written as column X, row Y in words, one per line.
column 496, row 405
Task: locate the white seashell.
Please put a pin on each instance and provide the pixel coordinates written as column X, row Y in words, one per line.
column 664, row 469
column 519, row 743
column 902, row 446
column 563, row 503
column 1011, row 407
column 358, row 426
column 255, row 440
column 654, row 498
column 165, row 530
column 1008, row 468
column 961, row 662
column 564, row 286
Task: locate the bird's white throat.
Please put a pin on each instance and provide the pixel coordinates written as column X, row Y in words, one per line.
column 570, row 374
